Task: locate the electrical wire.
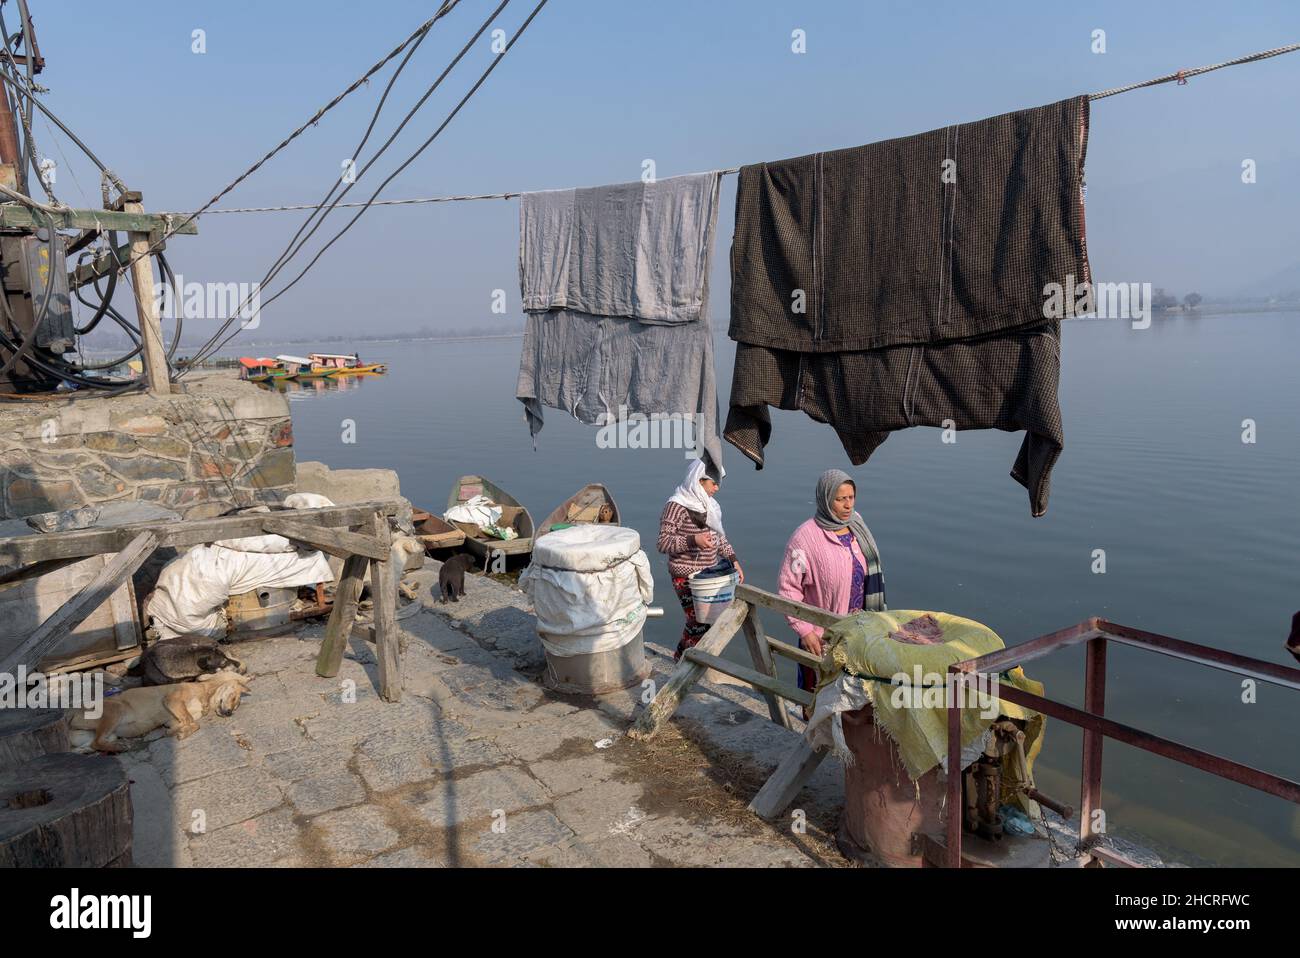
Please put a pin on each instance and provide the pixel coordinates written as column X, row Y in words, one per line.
column 209, row 348
column 291, row 250
column 364, row 138
column 171, row 229
column 298, row 241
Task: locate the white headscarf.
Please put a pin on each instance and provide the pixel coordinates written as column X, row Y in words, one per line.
column 692, row 495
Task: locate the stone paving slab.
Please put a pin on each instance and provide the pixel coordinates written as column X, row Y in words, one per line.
column 313, row 771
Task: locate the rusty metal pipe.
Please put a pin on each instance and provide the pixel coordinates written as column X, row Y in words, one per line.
column 1065, row 811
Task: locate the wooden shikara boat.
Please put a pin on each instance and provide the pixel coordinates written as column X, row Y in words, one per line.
column 513, row 515
column 261, row 370
column 434, row 532
column 342, row 364
column 592, row 503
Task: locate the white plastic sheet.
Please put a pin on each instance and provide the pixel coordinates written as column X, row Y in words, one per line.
column 590, row 586
column 479, row 509
column 193, row 588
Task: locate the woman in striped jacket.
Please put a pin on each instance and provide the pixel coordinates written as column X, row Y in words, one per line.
column 691, row 535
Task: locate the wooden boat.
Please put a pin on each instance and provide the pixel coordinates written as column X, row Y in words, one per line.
column 261, row 369
column 301, row 367
column 592, row 503
column 513, row 515
column 339, row 364
column 434, row 532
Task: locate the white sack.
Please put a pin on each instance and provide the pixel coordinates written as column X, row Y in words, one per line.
column 193, row 588
column 480, row 510
column 598, row 607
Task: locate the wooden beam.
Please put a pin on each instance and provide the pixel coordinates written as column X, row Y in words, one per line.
column 784, row 784
column 794, row 653
column 337, row 542
column 762, row 658
column 102, row 265
column 14, row 216
column 157, row 373
column 39, row 569
column 17, row 552
column 347, row 592
column 91, row 596
column 764, row 683
column 688, row 673
column 778, row 603
column 388, row 636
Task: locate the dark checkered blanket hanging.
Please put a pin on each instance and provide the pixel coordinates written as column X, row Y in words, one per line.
column 903, row 283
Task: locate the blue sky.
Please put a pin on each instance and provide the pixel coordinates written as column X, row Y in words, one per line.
column 595, row 88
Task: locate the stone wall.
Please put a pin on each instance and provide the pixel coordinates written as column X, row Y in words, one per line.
column 220, row 444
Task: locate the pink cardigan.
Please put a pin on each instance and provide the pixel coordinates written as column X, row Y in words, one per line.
column 817, row 570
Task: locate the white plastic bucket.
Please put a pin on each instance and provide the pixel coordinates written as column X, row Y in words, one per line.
column 712, row 595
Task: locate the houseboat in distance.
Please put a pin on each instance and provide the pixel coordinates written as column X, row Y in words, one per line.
column 337, row 364
column 263, row 369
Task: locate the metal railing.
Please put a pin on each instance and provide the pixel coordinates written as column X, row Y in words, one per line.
column 1097, row 633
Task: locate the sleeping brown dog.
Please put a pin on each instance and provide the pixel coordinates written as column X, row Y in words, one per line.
column 179, row 706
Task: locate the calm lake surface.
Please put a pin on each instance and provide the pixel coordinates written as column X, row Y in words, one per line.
column 1200, row 531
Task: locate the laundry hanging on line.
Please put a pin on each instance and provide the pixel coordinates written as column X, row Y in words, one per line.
column 615, row 284
column 903, row 283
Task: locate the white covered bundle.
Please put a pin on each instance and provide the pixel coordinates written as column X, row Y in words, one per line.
column 192, row 589
column 590, row 586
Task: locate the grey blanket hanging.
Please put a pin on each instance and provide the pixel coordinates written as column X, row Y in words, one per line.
column 615, row 282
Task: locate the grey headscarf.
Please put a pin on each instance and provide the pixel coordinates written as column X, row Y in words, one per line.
column 827, row 485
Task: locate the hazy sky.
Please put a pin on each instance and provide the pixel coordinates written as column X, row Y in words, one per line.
column 595, row 88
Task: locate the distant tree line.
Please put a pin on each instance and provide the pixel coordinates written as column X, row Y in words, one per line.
column 1162, row 300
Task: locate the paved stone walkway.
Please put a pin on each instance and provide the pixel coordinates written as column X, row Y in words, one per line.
column 479, row 764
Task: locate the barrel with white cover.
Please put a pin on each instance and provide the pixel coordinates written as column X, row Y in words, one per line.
column 590, row 586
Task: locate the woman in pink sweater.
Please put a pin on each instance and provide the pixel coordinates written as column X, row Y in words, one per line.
column 831, row 562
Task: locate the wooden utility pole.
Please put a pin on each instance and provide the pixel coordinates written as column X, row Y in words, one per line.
column 153, row 355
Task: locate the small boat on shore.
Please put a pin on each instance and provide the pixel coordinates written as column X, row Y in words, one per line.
column 513, row 516
column 435, row 532
column 260, row 370
column 592, row 503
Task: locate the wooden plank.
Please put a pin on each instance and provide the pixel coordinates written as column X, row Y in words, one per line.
column 688, row 673
column 778, row 603
column 794, row 653
column 14, row 216
column 157, row 372
column 762, row 658
column 383, row 590
column 783, row 785
column 102, row 265
column 337, row 542
column 37, row 569
column 18, row 552
column 91, row 596
column 346, row 594
column 764, row 683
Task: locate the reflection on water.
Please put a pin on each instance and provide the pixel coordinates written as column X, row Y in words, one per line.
column 299, row 389
column 1199, row 530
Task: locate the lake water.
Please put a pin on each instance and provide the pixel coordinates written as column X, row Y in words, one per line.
column 1199, row 528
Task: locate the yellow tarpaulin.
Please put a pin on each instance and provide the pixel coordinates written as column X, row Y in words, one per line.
column 906, row 682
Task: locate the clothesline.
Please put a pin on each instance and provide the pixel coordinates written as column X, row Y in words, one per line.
column 1180, row 77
